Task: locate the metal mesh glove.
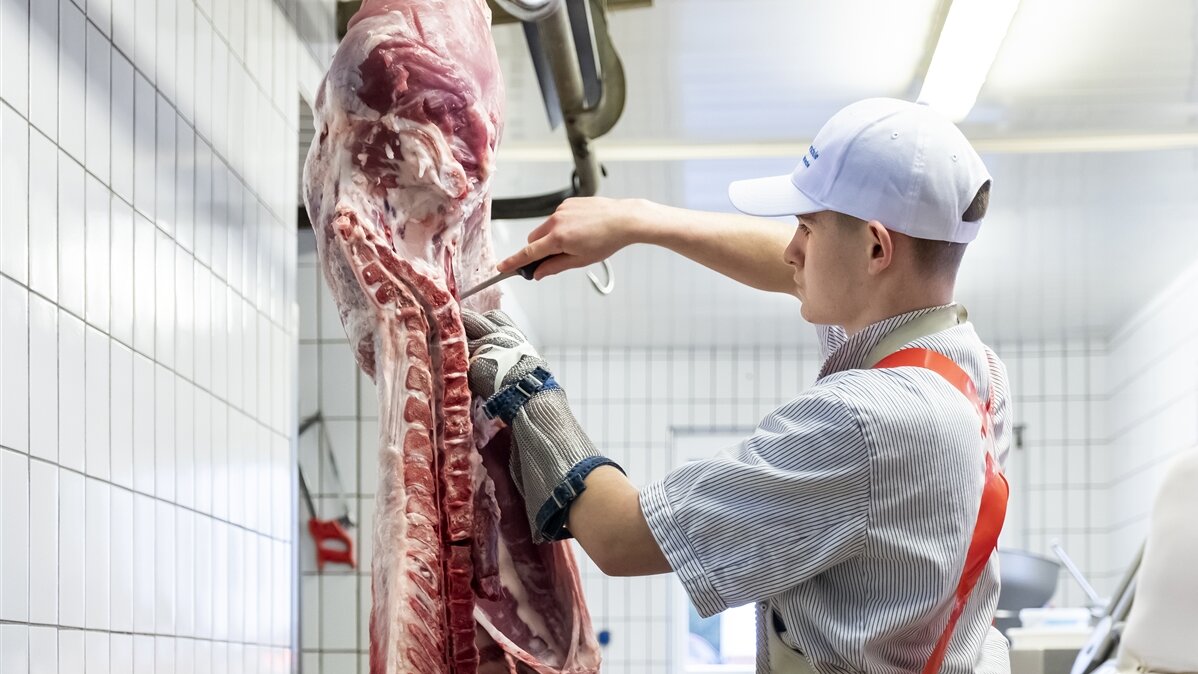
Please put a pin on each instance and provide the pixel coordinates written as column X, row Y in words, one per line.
column 500, row 354
column 552, row 455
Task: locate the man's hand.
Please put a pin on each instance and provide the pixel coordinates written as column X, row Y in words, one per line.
column 581, row 232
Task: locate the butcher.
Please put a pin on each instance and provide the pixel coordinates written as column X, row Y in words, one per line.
column 861, row 516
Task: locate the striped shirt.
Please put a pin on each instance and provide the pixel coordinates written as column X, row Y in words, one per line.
column 849, row 511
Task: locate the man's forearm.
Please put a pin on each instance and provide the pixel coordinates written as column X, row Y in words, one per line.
column 743, row 248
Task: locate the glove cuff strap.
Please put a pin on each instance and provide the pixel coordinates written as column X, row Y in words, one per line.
column 508, row 401
column 552, row 516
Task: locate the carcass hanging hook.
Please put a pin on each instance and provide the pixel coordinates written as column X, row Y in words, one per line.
column 610, row 285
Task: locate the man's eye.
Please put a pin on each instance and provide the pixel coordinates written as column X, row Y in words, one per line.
column 804, row 229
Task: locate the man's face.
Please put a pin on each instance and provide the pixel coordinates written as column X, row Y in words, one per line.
column 830, row 259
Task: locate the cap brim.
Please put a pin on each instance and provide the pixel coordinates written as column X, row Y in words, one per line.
column 771, row 197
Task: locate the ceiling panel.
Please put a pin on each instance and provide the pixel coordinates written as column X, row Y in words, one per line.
column 1082, row 50
column 1075, row 65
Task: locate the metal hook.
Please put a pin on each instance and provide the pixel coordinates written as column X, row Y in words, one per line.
column 603, row 288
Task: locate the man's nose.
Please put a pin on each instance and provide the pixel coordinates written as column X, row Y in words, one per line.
column 794, row 255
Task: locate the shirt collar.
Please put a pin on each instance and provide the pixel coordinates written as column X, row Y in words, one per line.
column 852, row 352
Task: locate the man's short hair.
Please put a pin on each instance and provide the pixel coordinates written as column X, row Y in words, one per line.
column 981, row 202
column 944, row 257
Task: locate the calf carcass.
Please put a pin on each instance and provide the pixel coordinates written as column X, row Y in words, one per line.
column 397, row 188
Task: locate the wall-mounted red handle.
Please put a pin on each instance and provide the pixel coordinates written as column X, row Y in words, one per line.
column 333, row 544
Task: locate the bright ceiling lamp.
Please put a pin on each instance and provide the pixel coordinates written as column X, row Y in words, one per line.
column 972, row 33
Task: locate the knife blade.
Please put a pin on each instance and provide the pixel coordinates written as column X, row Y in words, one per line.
column 526, row 271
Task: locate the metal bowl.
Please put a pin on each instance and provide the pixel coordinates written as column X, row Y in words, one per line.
column 1028, row 581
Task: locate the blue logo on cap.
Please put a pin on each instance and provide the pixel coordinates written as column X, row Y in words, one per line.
column 811, row 151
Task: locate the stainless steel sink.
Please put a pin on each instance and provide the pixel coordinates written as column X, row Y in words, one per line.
column 1028, row 581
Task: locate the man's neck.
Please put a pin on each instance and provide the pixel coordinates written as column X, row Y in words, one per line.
column 898, row 306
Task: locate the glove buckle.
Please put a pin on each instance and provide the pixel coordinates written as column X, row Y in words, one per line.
column 508, row 401
column 530, row 380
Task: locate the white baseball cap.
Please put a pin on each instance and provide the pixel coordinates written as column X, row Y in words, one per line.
column 899, row 163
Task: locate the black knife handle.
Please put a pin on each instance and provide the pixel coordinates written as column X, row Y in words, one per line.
column 527, row 270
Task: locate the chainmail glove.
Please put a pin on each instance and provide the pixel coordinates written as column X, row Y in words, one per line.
column 551, row 454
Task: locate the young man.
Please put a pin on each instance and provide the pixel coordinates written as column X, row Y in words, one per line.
column 848, row 515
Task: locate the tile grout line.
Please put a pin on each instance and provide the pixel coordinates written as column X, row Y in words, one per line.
column 135, row 351
column 134, row 633
column 157, row 499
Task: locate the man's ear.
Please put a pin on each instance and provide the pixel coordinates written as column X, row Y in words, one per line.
column 881, row 247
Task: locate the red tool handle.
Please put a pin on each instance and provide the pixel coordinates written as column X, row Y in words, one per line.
column 326, row 532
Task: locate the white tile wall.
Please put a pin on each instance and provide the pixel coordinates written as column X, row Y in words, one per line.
column 1058, row 477
column 121, row 552
column 71, row 239
column 121, row 652
column 43, row 542
column 14, row 648
column 43, row 650
column 14, row 558
column 14, row 365
column 14, row 189
column 70, row 651
column 96, row 653
column 1153, row 388
column 71, row 391
column 14, row 71
column 122, row 555
column 43, row 66
column 71, row 544
column 97, row 557
column 335, row 604
column 43, row 239
column 96, row 405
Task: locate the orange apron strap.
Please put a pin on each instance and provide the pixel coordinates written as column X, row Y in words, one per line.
column 993, row 507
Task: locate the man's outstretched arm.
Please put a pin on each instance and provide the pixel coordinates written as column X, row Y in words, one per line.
column 584, row 231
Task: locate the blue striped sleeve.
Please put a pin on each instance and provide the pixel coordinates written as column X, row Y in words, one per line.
column 674, row 544
column 785, row 504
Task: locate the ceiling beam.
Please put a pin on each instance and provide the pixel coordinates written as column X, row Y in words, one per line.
column 655, row 150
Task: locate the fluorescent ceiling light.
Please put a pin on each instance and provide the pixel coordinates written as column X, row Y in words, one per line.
column 972, row 33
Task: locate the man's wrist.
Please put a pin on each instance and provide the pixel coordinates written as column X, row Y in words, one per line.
column 648, row 222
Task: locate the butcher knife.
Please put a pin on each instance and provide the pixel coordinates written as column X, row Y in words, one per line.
column 526, row 271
